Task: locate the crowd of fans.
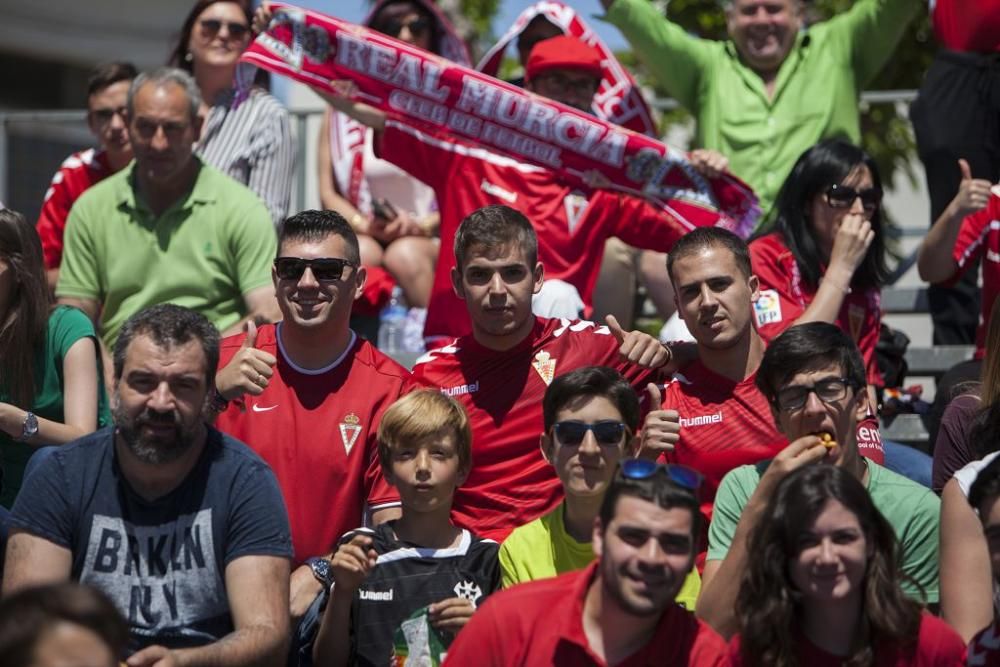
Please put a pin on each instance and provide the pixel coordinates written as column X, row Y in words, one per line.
column 204, row 464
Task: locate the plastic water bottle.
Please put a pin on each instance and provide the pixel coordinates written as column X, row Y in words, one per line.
column 392, row 324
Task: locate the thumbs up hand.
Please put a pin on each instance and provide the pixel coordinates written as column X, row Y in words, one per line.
column 248, row 372
column 662, row 428
column 973, row 193
column 637, row 347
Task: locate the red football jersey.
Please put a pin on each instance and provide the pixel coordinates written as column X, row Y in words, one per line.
column 572, row 224
column 967, row 25
column 77, row 173
column 316, row 429
column 510, row 483
column 724, row 425
column 979, row 236
column 784, row 296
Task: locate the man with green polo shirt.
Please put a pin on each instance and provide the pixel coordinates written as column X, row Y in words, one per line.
column 168, row 228
column 776, row 87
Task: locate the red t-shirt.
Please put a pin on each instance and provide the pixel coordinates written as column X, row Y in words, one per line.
column 572, row 224
column 984, row 649
column 316, row 429
column 77, row 173
column 937, row 646
column 967, row 25
column 540, row 623
column 511, row 483
column 784, row 296
column 979, row 236
column 724, row 425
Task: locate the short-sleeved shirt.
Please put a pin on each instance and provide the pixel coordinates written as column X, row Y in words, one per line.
column 912, row 510
column 541, row 623
column 984, row 649
column 979, row 236
column 953, row 448
column 785, row 295
column 408, row 577
column 65, row 327
column 162, row 562
column 205, row 252
column 511, row 483
column 76, row 174
column 543, row 549
column 316, row 429
column 572, row 224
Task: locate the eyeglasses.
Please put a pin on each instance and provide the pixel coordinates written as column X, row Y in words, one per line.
column 417, row 27
column 842, row 196
column 211, row 28
column 104, row 116
column 682, row 475
column 324, row 268
column 831, row 390
column 606, row 432
column 561, row 84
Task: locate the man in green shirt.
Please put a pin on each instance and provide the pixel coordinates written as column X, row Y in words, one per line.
column 168, row 228
column 814, row 379
column 774, row 88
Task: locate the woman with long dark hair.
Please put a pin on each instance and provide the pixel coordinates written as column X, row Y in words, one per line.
column 251, row 141
column 823, row 587
column 50, row 386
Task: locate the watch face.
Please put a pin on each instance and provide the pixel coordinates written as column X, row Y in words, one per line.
column 320, row 568
column 30, row 426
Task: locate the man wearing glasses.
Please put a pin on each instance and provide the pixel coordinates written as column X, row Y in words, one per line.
column 621, row 608
column 814, row 379
column 107, row 89
column 307, row 395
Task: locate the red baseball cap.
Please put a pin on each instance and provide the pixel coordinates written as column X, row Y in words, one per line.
column 563, row 52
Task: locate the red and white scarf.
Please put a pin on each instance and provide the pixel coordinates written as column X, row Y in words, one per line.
column 444, row 98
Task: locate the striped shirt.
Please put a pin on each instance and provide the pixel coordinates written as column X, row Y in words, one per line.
column 252, row 144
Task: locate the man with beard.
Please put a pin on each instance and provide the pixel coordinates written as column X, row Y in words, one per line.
column 181, row 526
column 619, row 609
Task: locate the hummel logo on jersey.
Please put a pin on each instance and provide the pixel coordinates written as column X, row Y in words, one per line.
column 377, row 596
column 461, row 390
column 258, row 408
column 468, row 590
column 497, row 191
column 702, row 420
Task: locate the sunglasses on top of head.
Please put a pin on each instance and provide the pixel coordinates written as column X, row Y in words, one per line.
column 324, row 268
column 682, row 475
column 843, row 196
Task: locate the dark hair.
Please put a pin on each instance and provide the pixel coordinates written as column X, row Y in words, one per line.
column 591, row 381
column 805, row 347
column 313, row 226
column 377, row 21
column 768, row 604
column 22, row 330
column 710, row 237
column 178, row 55
column 170, row 325
column 658, row 488
column 107, row 74
column 987, row 484
column 827, row 163
column 496, row 226
column 26, row 616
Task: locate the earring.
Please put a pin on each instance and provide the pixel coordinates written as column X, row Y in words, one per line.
column 188, row 57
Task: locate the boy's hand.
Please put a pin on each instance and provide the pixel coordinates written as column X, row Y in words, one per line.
column 352, row 562
column 451, row 614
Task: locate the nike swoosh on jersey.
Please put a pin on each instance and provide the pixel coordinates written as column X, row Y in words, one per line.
column 257, row 408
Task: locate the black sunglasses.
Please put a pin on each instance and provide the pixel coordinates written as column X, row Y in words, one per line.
column 213, row 26
column 323, row 268
column 681, row 475
column 418, row 27
column 842, row 196
column 572, row 433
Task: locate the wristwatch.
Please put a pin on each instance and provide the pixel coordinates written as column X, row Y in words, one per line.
column 29, row 427
column 321, row 570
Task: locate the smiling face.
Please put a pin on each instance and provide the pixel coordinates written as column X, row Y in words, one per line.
column 219, row 35
column 310, row 303
column 764, row 31
column 826, row 218
column 832, row 558
column 427, row 472
column 645, row 554
column 714, row 297
column 497, row 285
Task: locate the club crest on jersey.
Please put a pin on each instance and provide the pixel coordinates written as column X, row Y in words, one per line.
column 767, row 307
column 545, row 366
column 575, row 204
column 469, row 591
column 856, row 317
column 350, row 429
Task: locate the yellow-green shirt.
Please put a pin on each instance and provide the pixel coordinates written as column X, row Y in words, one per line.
column 543, row 549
